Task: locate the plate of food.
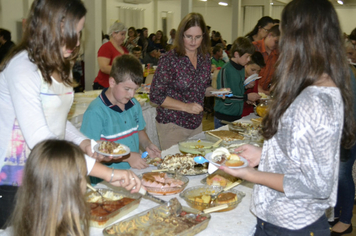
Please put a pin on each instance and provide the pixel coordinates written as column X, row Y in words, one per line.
column 111, row 149
column 222, row 156
column 183, row 164
column 162, row 183
column 220, row 178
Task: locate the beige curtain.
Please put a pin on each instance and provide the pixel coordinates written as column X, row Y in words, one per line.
column 251, row 15
column 132, row 17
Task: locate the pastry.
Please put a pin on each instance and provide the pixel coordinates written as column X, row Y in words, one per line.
column 226, row 198
column 233, row 160
column 111, row 148
column 182, row 163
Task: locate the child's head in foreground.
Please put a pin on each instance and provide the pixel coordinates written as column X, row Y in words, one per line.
column 52, row 194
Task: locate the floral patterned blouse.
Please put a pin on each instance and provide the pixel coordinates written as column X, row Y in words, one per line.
column 177, row 78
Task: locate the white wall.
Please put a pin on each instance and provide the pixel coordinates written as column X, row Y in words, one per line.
column 219, row 18
column 11, row 12
column 347, row 18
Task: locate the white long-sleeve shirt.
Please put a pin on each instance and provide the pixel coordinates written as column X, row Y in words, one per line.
column 31, row 111
column 305, row 150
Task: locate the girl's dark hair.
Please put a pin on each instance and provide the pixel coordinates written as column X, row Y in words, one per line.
column 352, row 36
column 191, row 20
column 151, row 36
column 260, row 24
column 310, row 34
column 50, row 26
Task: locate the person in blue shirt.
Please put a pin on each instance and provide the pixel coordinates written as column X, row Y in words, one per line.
column 116, row 116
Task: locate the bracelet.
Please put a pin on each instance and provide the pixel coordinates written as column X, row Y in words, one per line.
column 112, row 175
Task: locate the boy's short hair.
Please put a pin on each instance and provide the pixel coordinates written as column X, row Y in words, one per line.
column 127, row 67
column 275, row 31
column 242, row 45
column 257, row 58
column 216, row 49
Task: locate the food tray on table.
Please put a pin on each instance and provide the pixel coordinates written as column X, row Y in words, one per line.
column 183, row 164
column 158, row 183
column 167, row 219
column 228, row 137
column 102, row 215
column 220, row 178
column 198, row 197
column 196, row 146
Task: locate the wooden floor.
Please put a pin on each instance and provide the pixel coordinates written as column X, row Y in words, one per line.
column 208, row 124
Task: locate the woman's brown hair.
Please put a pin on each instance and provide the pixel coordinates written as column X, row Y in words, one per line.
column 191, row 20
column 50, row 26
column 51, row 199
column 311, row 44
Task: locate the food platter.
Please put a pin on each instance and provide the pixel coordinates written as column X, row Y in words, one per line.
column 209, row 158
column 126, row 148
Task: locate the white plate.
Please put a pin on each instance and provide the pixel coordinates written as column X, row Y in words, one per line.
column 208, row 157
column 220, row 92
column 127, row 149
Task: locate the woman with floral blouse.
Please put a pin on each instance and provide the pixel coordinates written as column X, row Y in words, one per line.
column 181, row 82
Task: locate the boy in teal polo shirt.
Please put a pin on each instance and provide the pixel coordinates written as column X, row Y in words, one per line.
column 116, row 116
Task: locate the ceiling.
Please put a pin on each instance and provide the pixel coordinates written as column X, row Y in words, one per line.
column 214, row 3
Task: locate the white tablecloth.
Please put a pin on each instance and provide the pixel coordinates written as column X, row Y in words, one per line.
column 239, row 221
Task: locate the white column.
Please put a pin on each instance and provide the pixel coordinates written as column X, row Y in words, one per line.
column 267, row 8
column 92, row 40
column 237, row 24
column 186, row 7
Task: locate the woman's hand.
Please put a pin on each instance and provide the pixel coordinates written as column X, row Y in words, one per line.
column 153, row 150
column 243, row 173
column 136, row 161
column 126, row 179
column 193, row 108
column 251, row 153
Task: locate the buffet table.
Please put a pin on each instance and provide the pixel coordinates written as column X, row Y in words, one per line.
column 239, row 221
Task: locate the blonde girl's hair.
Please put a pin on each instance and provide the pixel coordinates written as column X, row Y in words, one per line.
column 50, row 26
column 51, row 200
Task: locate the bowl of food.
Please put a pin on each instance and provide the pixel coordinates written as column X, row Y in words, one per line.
column 228, row 137
column 159, row 183
column 196, row 146
column 199, row 197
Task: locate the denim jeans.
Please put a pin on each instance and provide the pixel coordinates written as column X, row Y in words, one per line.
column 346, row 190
column 217, row 123
column 318, row 228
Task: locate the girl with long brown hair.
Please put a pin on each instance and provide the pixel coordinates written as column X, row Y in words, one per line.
column 310, row 117
column 36, row 95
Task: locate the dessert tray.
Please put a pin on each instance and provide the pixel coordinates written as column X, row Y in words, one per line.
column 183, row 164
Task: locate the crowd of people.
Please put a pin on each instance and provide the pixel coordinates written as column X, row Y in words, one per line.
column 304, row 166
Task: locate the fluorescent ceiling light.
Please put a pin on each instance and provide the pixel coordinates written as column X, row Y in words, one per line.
column 223, row 4
column 203, row 0
column 340, row 2
column 271, row 3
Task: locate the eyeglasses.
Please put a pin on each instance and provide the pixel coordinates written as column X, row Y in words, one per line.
column 266, row 29
column 191, row 38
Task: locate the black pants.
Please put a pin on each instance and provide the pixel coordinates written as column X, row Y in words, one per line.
column 7, row 203
column 97, row 86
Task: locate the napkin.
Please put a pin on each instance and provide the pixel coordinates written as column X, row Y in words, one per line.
column 93, row 143
column 212, row 168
